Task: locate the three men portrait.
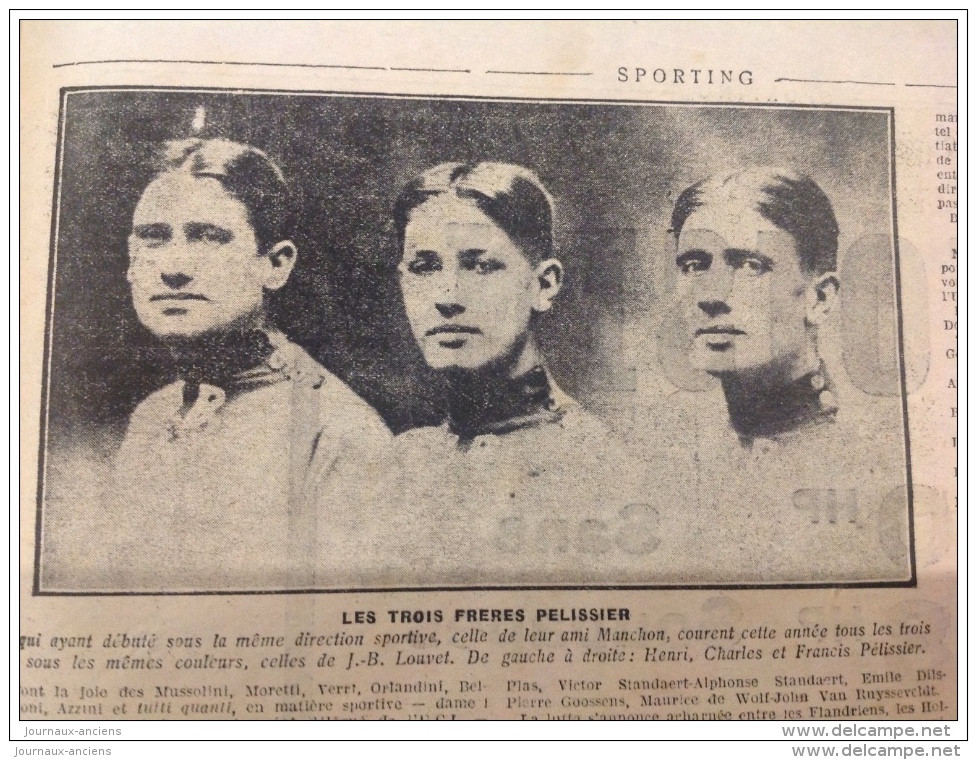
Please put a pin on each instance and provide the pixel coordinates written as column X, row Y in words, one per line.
column 605, row 362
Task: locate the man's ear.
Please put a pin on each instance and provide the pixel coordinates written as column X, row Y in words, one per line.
column 281, row 261
column 549, row 276
column 822, row 295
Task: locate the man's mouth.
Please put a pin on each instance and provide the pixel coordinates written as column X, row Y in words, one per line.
column 178, row 297
column 453, row 336
column 453, row 330
column 719, row 330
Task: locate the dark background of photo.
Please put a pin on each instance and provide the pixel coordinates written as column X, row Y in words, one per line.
column 614, row 169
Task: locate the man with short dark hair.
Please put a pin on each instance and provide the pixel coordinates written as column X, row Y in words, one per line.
column 772, row 477
column 250, row 470
column 756, row 257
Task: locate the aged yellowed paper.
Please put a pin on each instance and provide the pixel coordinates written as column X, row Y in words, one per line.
column 509, row 370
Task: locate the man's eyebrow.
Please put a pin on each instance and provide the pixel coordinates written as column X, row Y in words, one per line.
column 195, row 230
column 692, row 253
column 472, row 253
column 151, row 228
column 205, row 227
column 739, row 254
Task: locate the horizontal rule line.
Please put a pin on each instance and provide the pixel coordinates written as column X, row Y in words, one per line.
column 545, row 73
column 219, row 63
column 439, row 71
column 948, row 86
column 834, row 81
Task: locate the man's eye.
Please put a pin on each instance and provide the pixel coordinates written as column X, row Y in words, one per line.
column 753, row 266
column 152, row 237
column 423, row 266
column 481, row 265
column 210, row 235
column 693, row 265
column 215, row 236
column 487, row 266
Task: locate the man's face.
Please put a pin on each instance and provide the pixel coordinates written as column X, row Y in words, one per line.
column 742, row 291
column 194, row 264
column 468, row 289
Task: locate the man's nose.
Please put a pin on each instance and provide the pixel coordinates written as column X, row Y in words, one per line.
column 175, row 280
column 714, row 308
column 446, row 300
column 449, row 310
column 714, row 285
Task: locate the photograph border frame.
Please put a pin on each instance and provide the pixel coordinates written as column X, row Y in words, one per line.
column 50, row 303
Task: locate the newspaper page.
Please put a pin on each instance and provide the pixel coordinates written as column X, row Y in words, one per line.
column 451, row 370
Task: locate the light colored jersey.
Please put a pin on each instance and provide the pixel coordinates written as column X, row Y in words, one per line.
column 824, row 503
column 246, row 489
column 554, row 501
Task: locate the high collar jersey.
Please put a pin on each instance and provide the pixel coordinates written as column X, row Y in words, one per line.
column 251, row 472
column 812, row 490
column 519, row 486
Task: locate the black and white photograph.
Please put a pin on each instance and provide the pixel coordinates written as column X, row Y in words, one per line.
column 331, row 342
